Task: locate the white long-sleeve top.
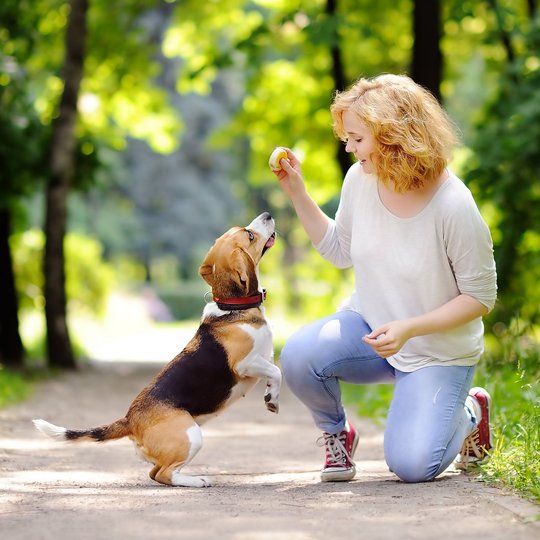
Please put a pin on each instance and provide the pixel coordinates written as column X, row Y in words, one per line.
column 405, row 267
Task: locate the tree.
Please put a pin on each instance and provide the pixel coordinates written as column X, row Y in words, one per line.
column 21, row 135
column 11, row 347
column 62, row 159
column 426, row 66
column 338, row 72
column 504, row 170
column 117, row 98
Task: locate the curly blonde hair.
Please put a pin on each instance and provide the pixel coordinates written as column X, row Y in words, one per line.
column 414, row 136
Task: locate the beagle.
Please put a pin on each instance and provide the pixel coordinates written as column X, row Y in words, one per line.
column 231, row 350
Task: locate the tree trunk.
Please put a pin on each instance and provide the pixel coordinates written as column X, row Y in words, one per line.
column 11, row 347
column 426, row 67
column 338, row 74
column 61, row 160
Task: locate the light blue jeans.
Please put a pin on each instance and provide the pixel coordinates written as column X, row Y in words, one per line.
column 427, row 420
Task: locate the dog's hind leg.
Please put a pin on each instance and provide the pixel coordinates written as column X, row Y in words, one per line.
column 154, row 471
column 172, row 444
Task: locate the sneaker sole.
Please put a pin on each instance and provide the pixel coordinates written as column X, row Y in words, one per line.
column 338, row 475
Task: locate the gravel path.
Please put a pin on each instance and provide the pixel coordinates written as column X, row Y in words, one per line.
column 265, row 469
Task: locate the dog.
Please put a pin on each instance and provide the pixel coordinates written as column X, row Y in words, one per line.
column 231, row 350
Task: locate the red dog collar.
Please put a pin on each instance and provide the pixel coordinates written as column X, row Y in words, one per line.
column 245, row 302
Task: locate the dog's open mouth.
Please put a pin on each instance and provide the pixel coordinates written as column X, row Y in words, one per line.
column 269, row 243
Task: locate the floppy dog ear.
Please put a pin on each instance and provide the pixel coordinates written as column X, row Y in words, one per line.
column 243, row 270
column 206, row 270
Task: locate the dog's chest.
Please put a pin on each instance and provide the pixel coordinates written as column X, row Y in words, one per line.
column 262, row 341
column 207, row 378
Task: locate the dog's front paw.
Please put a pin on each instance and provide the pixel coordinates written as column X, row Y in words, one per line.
column 271, row 404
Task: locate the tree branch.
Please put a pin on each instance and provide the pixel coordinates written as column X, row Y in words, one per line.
column 505, row 36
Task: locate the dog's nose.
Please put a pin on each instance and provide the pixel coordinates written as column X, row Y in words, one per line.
column 266, row 216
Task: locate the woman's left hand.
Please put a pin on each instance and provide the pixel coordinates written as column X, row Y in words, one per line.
column 389, row 338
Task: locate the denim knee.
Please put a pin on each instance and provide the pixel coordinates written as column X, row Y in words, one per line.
column 413, row 468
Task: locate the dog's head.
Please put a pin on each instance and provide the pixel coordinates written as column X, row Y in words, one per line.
column 230, row 267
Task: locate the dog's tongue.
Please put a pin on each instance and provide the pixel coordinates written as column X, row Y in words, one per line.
column 270, row 242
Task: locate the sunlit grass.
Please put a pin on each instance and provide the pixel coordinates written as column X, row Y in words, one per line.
column 515, row 458
column 13, row 387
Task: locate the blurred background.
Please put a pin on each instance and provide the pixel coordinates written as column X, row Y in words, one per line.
column 134, row 132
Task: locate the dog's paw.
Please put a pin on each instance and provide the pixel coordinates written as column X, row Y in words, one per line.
column 204, row 481
column 183, row 480
column 273, row 407
column 271, row 399
column 271, row 404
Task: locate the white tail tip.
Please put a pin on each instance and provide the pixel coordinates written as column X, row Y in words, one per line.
column 56, row 432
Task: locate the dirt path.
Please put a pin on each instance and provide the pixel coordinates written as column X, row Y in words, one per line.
column 265, row 469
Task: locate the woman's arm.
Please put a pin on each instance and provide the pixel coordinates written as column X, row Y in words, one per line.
column 389, row 338
column 313, row 219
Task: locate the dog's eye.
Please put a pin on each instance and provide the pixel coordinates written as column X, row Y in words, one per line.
column 250, row 235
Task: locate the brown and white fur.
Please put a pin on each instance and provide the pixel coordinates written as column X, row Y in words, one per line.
column 230, row 352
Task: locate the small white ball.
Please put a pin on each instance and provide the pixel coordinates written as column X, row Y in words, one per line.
column 276, row 156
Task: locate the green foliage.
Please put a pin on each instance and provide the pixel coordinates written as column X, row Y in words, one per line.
column 512, row 375
column 36, row 353
column 21, row 134
column 185, row 299
column 370, row 401
column 14, row 387
column 119, row 96
column 504, row 172
column 281, row 53
column 89, row 278
column 119, row 93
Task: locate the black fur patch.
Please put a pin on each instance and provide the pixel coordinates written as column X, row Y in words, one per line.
column 97, row 433
column 197, row 381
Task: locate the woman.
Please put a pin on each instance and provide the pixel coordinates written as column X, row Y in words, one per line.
column 425, row 276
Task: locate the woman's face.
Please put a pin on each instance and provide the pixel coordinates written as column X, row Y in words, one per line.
column 360, row 141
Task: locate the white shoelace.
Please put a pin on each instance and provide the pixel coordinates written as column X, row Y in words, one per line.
column 471, row 452
column 336, row 453
column 471, row 446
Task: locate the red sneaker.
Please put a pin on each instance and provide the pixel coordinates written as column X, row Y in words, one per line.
column 477, row 445
column 339, row 465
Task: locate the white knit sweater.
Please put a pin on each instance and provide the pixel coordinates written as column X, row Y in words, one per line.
column 405, row 267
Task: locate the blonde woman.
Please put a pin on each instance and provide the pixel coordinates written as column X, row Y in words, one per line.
column 425, row 275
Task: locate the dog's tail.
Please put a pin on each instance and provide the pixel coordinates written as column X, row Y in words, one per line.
column 115, row 430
